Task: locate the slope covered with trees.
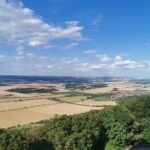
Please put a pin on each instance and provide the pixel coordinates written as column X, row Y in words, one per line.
column 112, row 128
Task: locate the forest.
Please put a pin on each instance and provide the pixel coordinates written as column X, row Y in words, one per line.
column 33, row 90
column 112, row 128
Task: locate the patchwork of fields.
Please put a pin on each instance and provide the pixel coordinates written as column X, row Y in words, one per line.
column 22, row 104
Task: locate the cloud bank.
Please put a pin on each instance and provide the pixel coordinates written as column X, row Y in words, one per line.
column 20, row 26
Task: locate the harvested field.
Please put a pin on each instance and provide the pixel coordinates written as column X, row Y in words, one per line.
column 20, row 117
column 97, row 103
column 24, row 104
column 38, row 113
column 32, row 97
column 127, row 86
column 63, row 108
column 99, row 90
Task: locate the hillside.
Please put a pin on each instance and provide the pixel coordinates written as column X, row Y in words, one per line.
column 111, row 128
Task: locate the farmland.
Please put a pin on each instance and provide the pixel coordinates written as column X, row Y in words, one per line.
column 25, row 103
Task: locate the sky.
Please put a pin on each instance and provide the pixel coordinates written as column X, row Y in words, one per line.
column 75, row 37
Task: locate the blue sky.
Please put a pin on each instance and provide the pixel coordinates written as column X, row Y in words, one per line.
column 75, row 38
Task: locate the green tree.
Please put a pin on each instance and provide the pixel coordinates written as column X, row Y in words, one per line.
column 13, row 140
column 139, row 106
column 82, row 132
column 146, row 135
column 119, row 126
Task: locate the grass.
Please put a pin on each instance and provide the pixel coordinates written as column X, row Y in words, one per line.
column 140, row 91
column 101, row 97
column 70, row 93
column 73, row 99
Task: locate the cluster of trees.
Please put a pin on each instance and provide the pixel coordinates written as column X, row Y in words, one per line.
column 33, row 90
column 112, row 128
column 84, row 86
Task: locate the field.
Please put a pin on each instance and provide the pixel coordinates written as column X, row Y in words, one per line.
column 63, row 108
column 20, row 117
column 38, row 113
column 97, row 103
column 17, row 108
column 125, row 86
column 25, row 103
column 72, row 98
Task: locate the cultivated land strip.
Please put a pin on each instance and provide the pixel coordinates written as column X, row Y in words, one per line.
column 13, row 107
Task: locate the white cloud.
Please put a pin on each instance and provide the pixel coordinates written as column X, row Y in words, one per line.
column 30, row 55
column 70, row 46
column 70, row 60
column 108, row 64
column 72, row 23
column 100, row 57
column 3, row 58
column 20, row 26
column 39, row 66
column 43, row 67
column 43, row 58
column 119, row 62
column 20, row 50
column 88, row 67
column 49, row 66
column 118, row 57
column 103, row 58
column 90, row 52
column 24, row 64
column 19, row 57
column 98, row 66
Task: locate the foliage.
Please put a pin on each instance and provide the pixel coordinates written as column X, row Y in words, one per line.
column 146, row 135
column 32, row 90
column 115, row 89
column 13, row 140
column 120, row 126
column 111, row 128
column 37, row 139
column 111, row 146
column 84, row 86
column 138, row 106
column 100, row 97
column 76, row 132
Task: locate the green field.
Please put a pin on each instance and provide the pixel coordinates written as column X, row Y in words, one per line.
column 100, row 97
column 70, row 93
